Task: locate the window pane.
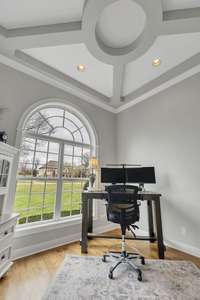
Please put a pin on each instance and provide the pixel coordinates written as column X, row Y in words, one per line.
column 52, row 166
column 25, row 169
column 41, row 145
column 44, row 128
column 23, row 187
column 74, row 119
column 51, row 112
column 62, row 133
column 67, row 186
column 21, row 201
column 36, row 200
column 76, row 200
column 34, row 122
column 34, row 214
column 26, row 156
column 40, row 159
column 68, row 150
column 78, row 151
column 86, row 138
column 55, row 121
column 53, row 147
column 28, row 144
column 37, row 186
column 70, row 125
column 66, row 204
column 51, row 187
column 78, row 137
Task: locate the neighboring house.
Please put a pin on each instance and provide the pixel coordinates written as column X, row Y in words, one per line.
column 50, row 169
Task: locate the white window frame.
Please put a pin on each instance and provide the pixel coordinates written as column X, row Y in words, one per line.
column 57, row 103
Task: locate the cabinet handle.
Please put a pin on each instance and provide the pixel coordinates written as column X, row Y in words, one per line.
column 6, row 232
column 3, row 256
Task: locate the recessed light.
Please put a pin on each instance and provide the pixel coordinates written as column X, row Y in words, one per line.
column 156, row 62
column 81, row 68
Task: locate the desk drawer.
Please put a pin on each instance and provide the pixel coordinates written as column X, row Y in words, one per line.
column 5, row 256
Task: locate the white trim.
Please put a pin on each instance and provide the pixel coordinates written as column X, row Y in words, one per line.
column 64, row 105
column 53, row 81
column 159, row 89
column 38, row 227
column 29, row 250
column 60, row 103
column 177, row 245
column 183, row 247
column 13, row 63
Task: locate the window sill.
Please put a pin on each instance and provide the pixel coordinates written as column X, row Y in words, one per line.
column 24, row 230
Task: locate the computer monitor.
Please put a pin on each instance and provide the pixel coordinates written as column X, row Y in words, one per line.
column 140, row 175
column 113, row 175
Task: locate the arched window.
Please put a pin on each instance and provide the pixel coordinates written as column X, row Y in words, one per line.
column 53, row 165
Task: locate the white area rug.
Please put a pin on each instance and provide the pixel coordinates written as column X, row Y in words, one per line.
column 86, row 278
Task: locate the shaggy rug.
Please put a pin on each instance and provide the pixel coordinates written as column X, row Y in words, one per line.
column 86, row 278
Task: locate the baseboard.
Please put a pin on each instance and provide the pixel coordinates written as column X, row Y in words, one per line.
column 33, row 249
column 183, row 247
column 176, row 245
column 40, row 247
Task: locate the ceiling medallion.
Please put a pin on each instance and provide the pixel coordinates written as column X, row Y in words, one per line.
column 94, row 10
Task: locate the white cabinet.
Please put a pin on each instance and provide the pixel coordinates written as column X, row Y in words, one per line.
column 8, row 220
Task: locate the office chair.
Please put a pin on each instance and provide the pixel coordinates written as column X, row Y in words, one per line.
column 122, row 208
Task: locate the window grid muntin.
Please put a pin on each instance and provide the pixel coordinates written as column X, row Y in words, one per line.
column 72, row 180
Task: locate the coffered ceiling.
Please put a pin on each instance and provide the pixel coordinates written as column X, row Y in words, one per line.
column 115, row 41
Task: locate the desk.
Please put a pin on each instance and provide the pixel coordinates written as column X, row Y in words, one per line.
column 153, row 203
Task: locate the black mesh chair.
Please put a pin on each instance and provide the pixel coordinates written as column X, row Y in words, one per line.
column 122, row 208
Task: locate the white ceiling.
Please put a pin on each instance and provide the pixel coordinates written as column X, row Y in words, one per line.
column 24, row 13
column 180, row 4
column 172, row 50
column 119, row 24
column 65, row 59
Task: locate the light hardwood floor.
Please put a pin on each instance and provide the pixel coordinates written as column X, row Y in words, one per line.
column 29, row 277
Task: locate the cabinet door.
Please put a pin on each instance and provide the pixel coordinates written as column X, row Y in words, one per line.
column 4, row 171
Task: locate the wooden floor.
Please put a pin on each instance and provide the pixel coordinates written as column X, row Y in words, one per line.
column 29, row 277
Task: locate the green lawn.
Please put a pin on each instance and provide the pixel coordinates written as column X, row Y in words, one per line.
column 41, row 206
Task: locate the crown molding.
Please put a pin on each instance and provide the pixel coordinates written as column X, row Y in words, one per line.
column 61, row 84
column 53, row 80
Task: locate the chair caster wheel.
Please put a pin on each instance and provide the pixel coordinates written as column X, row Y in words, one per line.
column 104, row 258
column 142, row 261
column 139, row 276
column 110, row 275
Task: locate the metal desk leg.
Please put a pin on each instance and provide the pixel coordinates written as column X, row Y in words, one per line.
column 150, row 221
column 90, row 217
column 84, row 239
column 161, row 246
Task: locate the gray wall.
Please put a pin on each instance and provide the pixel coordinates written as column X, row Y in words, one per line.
column 164, row 131
column 161, row 131
column 18, row 92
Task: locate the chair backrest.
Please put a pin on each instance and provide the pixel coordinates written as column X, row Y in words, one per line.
column 122, row 206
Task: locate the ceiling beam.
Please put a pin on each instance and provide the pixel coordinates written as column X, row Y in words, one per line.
column 118, row 78
column 72, row 84
column 181, row 21
column 174, row 75
column 43, row 36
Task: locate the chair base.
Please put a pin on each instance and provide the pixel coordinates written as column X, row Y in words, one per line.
column 125, row 258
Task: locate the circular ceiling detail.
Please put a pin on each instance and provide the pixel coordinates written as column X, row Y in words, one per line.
column 121, row 23
column 120, row 31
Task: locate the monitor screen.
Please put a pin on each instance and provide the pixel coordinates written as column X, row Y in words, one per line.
column 140, row 175
column 112, row 175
